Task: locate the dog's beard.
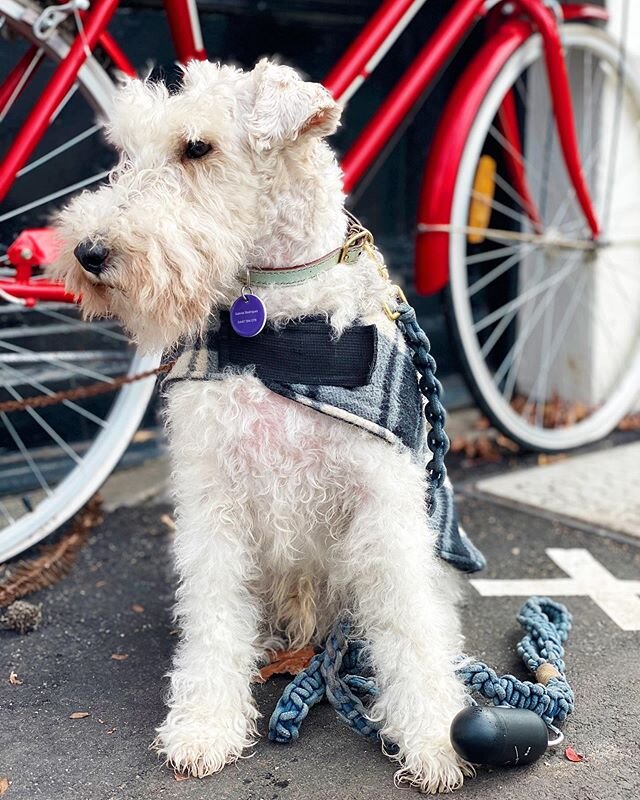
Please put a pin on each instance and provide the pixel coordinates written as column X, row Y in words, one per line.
column 157, row 301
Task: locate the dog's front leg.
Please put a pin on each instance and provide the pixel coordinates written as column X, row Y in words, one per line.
column 212, row 715
column 401, row 603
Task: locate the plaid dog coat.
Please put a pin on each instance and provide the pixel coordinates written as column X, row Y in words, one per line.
column 364, row 378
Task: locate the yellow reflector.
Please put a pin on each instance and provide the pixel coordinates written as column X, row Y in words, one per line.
column 484, row 187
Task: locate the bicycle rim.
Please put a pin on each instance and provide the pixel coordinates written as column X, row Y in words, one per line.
column 53, row 460
column 553, row 365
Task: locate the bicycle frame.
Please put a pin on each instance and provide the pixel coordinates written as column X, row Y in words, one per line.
column 356, row 66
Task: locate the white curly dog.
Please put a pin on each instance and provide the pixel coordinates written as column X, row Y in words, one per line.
column 285, row 517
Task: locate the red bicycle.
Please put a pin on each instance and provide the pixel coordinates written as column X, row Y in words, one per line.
column 528, row 217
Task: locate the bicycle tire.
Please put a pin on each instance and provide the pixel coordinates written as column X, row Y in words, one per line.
column 125, row 414
column 458, row 304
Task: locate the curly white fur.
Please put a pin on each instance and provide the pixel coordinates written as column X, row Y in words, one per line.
column 285, row 517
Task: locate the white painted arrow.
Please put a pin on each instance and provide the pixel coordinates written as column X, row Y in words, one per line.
column 619, row 599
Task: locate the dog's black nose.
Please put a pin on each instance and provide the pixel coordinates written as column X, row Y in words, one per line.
column 92, row 255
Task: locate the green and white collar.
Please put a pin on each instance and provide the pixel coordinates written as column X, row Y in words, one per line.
column 357, row 239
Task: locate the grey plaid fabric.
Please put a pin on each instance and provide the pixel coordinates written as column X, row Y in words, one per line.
column 389, row 406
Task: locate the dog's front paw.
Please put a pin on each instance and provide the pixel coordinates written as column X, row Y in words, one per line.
column 434, row 769
column 201, row 747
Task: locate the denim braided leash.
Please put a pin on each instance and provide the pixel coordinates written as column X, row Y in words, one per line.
column 342, row 674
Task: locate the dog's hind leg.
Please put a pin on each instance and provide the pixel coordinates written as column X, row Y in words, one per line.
column 395, row 580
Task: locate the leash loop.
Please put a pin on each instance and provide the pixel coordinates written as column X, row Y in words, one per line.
column 343, row 674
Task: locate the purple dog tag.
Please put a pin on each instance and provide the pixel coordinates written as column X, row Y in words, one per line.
column 248, row 315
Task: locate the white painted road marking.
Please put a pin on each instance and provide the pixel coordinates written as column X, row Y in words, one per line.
column 618, row 599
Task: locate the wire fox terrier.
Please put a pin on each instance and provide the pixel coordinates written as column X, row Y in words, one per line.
column 286, row 517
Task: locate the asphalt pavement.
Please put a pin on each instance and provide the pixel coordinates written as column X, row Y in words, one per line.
column 117, row 600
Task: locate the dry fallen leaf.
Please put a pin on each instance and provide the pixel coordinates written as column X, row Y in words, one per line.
column 507, row 444
column 119, row 656
column 137, row 608
column 551, row 458
column 5, row 783
column 290, row 662
column 14, row 680
column 144, row 435
column 180, row 776
column 571, row 755
column 168, row 521
column 79, row 715
column 630, row 423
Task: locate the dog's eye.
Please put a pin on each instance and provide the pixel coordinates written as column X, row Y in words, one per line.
column 197, row 149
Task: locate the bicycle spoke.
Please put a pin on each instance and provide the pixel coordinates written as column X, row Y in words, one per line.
column 561, row 213
column 522, row 91
column 496, row 272
column 491, row 255
column 529, row 170
column 615, row 267
column 22, row 82
column 546, row 163
column 507, row 369
column 50, row 393
column 514, row 305
column 54, row 196
column 625, row 300
column 504, row 323
column 95, row 327
column 53, row 328
column 64, row 102
column 25, row 453
column 587, row 102
column 6, row 513
column 59, row 150
column 508, row 189
column 508, row 212
column 57, row 362
column 45, row 426
column 551, row 352
column 541, row 379
column 613, row 151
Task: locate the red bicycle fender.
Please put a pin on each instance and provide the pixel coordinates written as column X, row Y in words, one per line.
column 584, row 12
column 436, row 196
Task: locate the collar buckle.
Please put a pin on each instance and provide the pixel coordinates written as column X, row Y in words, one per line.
column 357, row 240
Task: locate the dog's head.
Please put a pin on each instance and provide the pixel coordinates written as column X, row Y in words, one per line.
column 166, row 240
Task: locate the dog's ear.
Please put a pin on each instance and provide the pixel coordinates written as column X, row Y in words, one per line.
column 287, row 107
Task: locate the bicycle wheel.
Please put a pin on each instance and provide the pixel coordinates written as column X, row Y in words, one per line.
column 547, row 322
column 53, row 460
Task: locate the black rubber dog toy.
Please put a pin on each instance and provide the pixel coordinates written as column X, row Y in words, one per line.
column 498, row 736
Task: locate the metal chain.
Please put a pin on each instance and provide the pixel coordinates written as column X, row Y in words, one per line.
column 404, row 316
column 431, row 388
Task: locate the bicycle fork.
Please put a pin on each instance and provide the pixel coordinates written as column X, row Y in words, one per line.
column 558, row 79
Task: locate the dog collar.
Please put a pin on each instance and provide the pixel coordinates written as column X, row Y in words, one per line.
column 357, row 239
